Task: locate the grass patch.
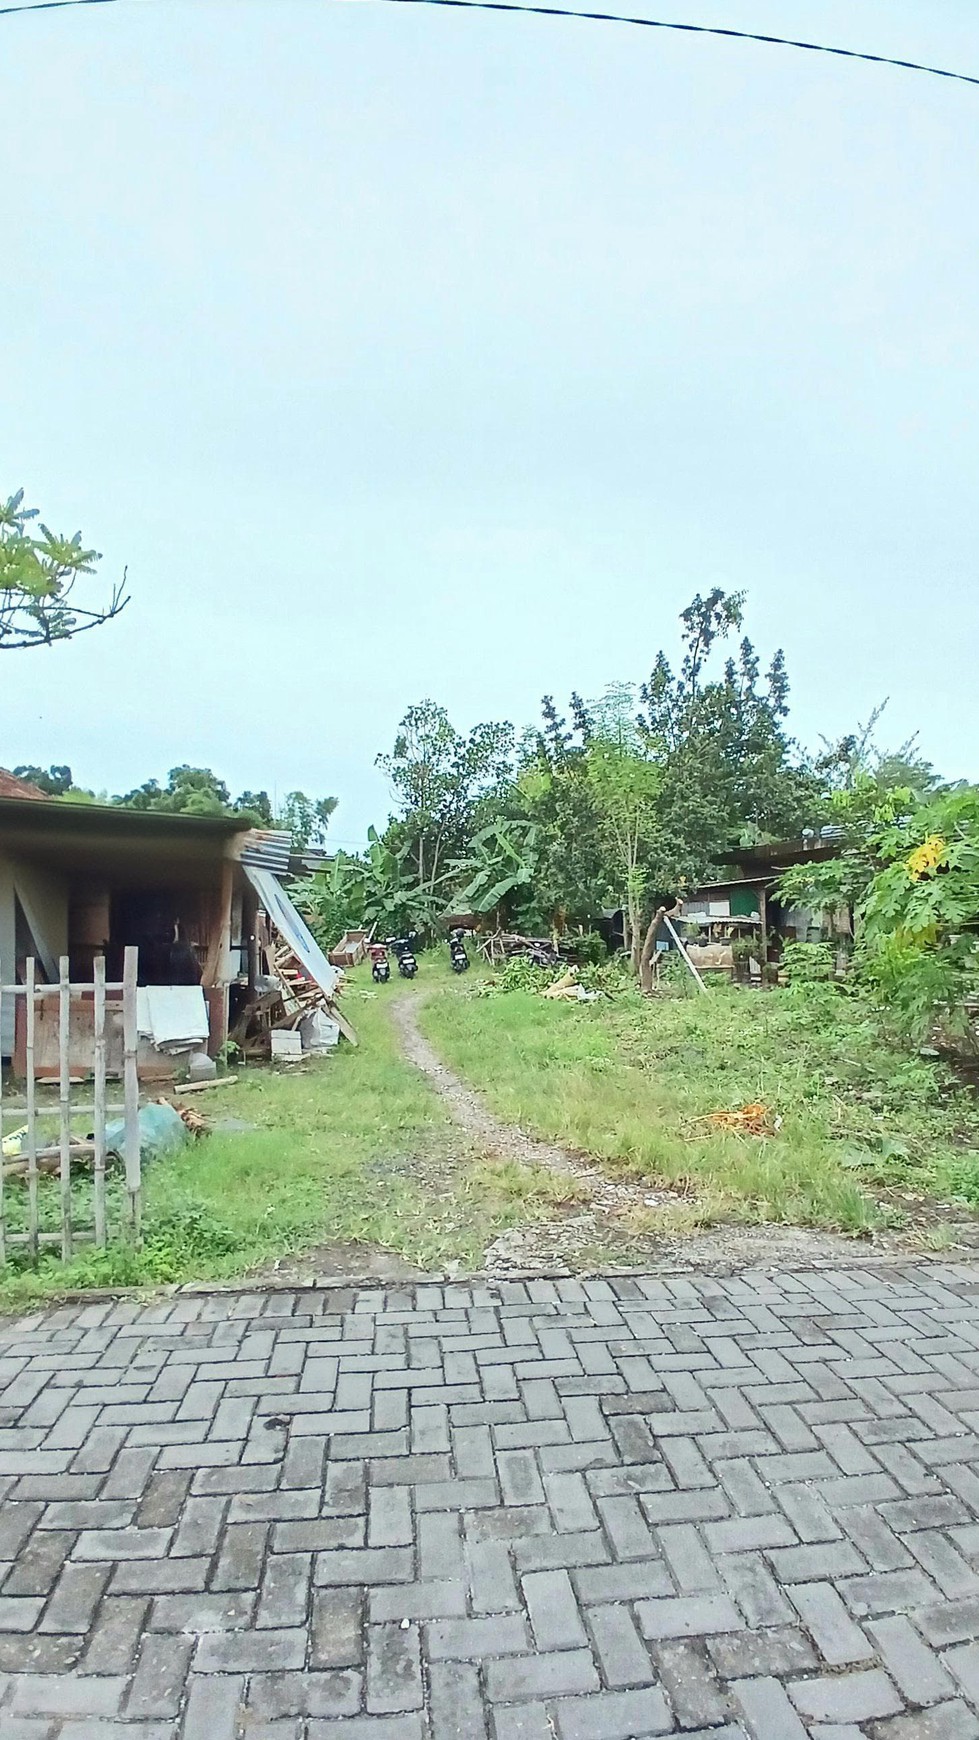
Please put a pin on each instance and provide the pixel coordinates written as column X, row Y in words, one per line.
column 626, row 1082
column 357, row 1147
column 535, row 1187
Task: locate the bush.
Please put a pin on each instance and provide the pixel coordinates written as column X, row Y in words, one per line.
column 808, row 963
column 590, row 949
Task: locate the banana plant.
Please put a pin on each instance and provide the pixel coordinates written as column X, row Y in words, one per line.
column 502, row 860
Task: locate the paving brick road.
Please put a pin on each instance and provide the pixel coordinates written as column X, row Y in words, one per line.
column 583, row 1510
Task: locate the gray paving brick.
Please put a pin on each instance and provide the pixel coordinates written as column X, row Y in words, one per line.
column 214, row 1708
column 285, row 1590
column 476, row 1639
column 687, row 1616
column 457, row 1708
column 767, row 1712
column 300, row 1693
column 541, row 1676
column 161, row 1674
column 66, row 1695
column 574, row 1473
column 854, row 1697
column 336, row 1629
column 839, row 1640
column 245, row 1652
column 394, row 1682
column 744, row 1655
column 553, row 1609
column 915, row 1669
column 952, row 1721
column 614, row 1716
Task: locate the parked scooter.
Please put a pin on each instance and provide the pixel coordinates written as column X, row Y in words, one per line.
column 405, row 955
column 380, row 965
column 457, row 952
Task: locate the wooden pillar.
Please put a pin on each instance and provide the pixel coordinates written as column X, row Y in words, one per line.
column 215, row 985
column 763, row 909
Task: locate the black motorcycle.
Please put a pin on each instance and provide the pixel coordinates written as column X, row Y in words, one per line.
column 457, row 952
column 404, row 954
column 380, row 965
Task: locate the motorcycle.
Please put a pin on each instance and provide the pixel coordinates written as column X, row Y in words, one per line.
column 404, row 954
column 457, row 952
column 380, row 965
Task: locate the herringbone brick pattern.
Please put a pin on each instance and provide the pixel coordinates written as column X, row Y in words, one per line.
column 584, row 1510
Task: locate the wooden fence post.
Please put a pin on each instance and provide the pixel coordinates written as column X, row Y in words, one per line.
column 98, row 1127
column 64, row 1102
column 131, row 1084
column 30, row 1025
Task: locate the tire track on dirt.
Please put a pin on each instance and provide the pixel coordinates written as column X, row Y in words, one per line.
column 597, row 1220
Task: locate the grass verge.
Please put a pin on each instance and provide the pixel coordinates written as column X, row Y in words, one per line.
column 627, row 1081
column 356, row 1148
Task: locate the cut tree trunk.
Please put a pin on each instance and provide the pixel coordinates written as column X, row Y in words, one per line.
column 646, row 956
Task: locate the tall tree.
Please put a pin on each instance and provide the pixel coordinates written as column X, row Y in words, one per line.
column 440, row 778
column 39, row 572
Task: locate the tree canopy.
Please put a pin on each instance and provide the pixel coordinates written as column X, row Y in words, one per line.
column 40, row 572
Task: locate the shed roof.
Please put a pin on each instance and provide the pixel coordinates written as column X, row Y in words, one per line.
column 115, row 821
column 13, row 787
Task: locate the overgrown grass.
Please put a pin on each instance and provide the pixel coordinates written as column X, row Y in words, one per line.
column 627, row 1082
column 354, row 1148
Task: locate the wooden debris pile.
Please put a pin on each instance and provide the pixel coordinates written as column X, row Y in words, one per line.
column 504, row 945
column 286, row 996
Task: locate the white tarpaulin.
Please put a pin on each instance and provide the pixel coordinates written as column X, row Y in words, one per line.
column 292, row 928
column 174, row 1017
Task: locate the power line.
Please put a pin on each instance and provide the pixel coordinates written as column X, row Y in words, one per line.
column 937, row 72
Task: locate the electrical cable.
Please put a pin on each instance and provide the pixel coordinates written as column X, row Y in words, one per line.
column 716, row 30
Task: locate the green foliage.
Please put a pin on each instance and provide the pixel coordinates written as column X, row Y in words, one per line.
column 500, row 865
column 39, row 571
column 590, row 949
column 197, row 791
column 439, row 779
column 306, row 819
column 332, row 900
column 54, row 781
column 808, row 963
column 919, row 940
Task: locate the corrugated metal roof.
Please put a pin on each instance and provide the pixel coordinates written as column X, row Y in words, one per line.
column 268, row 849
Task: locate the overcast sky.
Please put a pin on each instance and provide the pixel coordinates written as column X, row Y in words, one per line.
column 404, row 353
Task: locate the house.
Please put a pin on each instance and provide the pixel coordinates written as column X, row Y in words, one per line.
column 744, row 903
column 194, row 894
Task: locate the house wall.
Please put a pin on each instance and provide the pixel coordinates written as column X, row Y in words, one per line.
column 8, row 932
column 43, row 896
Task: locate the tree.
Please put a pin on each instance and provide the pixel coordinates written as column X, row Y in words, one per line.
column 919, row 942
column 729, row 767
column 197, row 791
column 189, row 791
column 439, row 779
column 39, row 571
column 625, row 784
column 54, row 781
column 306, row 819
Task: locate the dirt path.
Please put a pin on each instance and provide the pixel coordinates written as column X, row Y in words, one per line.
column 612, row 1220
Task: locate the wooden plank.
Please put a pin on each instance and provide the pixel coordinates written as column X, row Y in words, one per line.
column 131, row 1088
column 336, row 1014
column 99, row 1115
column 45, row 990
column 64, row 1102
column 31, row 1012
